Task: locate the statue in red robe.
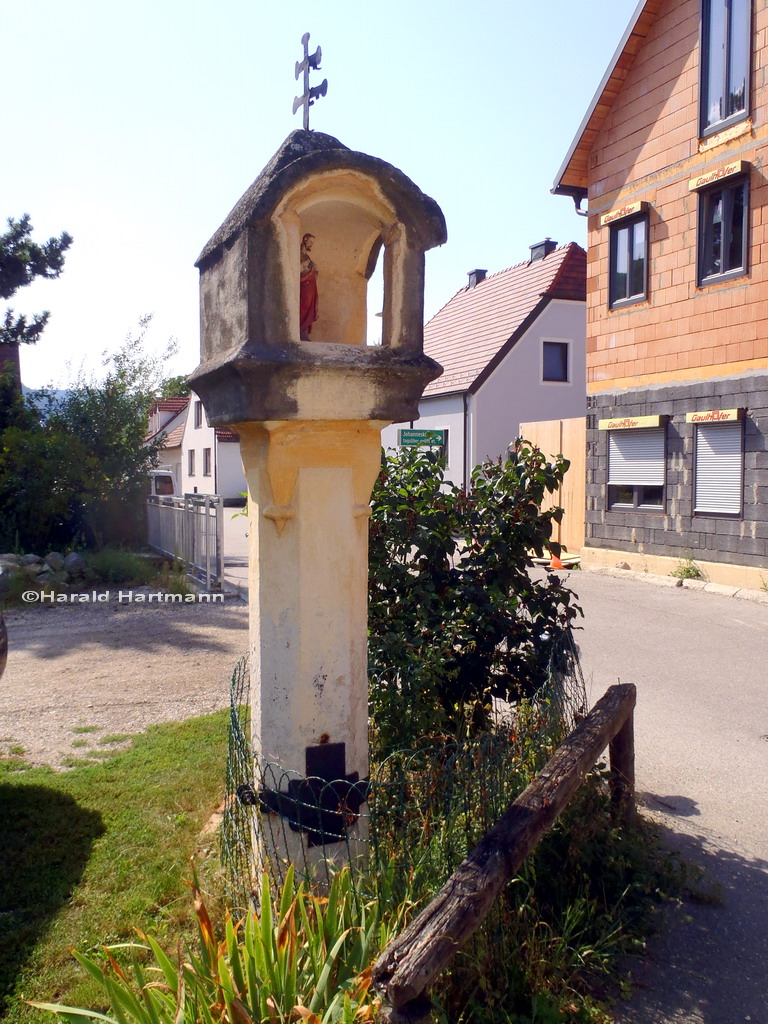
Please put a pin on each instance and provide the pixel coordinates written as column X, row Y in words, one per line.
column 307, row 289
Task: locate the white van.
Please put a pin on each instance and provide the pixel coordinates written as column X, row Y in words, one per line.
column 162, row 483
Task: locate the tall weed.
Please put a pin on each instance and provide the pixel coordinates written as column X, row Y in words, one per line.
column 300, row 957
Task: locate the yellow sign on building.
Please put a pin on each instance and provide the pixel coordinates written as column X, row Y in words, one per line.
column 629, row 422
column 710, row 177
column 714, row 416
column 627, row 210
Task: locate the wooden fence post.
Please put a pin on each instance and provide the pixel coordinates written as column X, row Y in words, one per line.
column 418, row 1011
column 621, row 752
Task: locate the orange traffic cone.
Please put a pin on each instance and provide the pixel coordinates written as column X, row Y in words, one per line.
column 555, row 563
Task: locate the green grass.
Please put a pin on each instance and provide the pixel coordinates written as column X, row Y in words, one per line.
column 12, row 765
column 117, row 737
column 86, row 728
column 80, row 743
column 91, row 853
column 73, row 762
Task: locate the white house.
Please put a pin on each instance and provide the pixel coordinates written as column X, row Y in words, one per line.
column 210, row 457
column 166, row 421
column 512, row 348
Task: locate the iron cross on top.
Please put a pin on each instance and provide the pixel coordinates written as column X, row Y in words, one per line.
column 303, row 66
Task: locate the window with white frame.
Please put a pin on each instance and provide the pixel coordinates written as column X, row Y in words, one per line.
column 191, row 462
column 555, row 362
column 206, row 461
column 718, row 468
column 636, row 469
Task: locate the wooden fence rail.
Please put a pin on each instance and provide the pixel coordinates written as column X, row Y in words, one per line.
column 406, row 970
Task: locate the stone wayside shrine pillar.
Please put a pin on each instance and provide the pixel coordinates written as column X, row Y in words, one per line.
column 283, row 286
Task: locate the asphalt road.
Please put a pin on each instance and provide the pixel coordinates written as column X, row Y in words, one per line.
column 700, row 663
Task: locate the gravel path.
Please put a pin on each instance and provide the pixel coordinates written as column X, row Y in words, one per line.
column 77, row 673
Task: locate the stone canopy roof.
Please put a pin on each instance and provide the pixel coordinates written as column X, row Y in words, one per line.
column 477, row 327
column 305, row 151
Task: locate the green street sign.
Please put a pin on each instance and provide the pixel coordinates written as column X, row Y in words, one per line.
column 414, row 438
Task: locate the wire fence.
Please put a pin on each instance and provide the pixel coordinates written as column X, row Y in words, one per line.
column 418, row 814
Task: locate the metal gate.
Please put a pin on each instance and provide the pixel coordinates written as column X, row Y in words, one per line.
column 190, row 529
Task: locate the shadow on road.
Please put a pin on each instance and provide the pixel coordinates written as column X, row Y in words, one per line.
column 45, row 843
column 680, row 806
column 52, row 632
column 710, row 965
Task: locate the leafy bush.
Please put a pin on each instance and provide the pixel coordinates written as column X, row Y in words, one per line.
column 38, row 477
column 455, row 617
column 15, row 582
column 115, row 565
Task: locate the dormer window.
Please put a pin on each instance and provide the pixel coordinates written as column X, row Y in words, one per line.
column 725, row 59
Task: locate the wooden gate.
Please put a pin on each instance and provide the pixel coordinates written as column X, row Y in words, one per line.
column 567, row 438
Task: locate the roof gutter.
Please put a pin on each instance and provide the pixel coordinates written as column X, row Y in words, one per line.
column 466, row 438
column 578, row 195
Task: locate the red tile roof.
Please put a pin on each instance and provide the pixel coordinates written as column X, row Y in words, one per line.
column 173, row 439
column 175, row 406
column 479, row 325
column 170, row 404
column 226, row 434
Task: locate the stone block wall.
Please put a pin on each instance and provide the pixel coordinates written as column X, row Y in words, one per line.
column 677, row 531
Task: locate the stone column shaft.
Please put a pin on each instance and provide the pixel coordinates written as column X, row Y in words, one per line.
column 309, row 491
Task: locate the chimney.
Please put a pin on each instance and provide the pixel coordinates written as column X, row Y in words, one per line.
column 475, row 277
column 542, row 249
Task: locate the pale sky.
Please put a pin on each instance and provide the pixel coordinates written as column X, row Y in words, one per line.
column 137, row 127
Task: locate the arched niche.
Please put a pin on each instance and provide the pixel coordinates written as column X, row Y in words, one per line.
column 351, row 221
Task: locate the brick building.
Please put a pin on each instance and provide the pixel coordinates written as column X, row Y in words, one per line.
column 671, row 157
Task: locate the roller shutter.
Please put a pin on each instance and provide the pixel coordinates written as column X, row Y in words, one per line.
column 636, row 457
column 719, row 462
